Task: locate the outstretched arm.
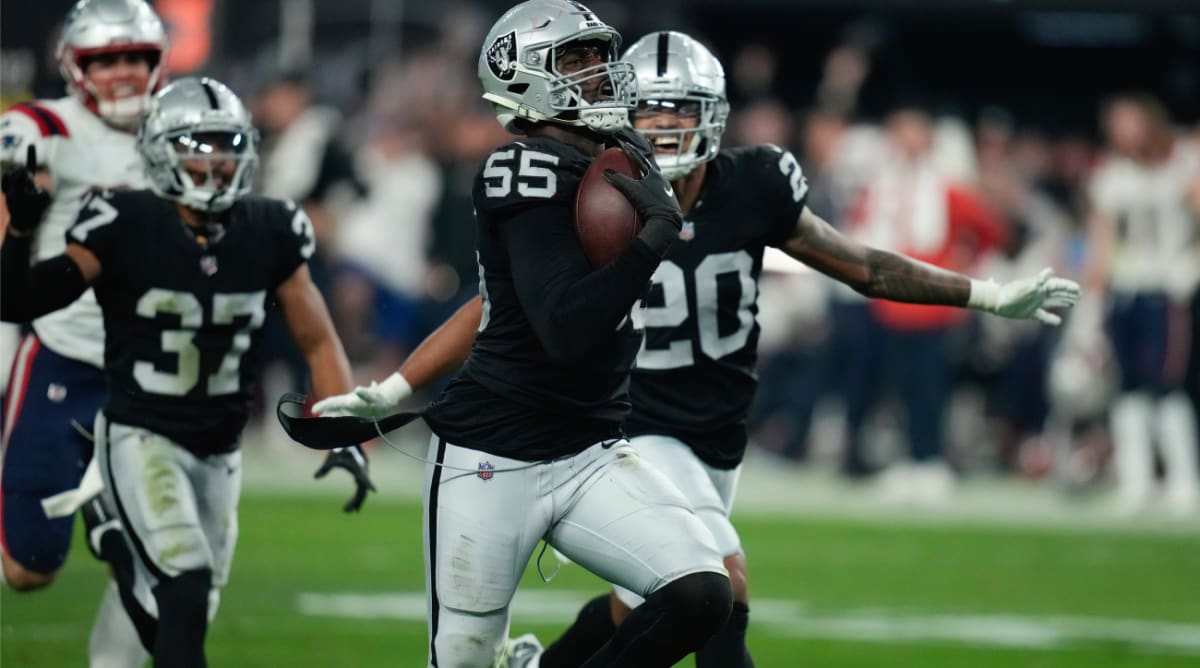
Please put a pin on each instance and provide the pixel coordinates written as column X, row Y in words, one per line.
column 870, row 271
column 886, row 275
column 442, row 352
column 446, row 349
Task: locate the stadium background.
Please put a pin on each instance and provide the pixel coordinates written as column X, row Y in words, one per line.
column 1022, row 562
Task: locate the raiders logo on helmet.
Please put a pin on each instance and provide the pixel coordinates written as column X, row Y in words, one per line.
column 502, row 56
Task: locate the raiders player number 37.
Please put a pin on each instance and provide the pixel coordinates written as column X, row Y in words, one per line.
column 183, row 274
column 694, row 378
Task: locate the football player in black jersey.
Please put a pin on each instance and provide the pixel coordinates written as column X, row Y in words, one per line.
column 694, row 378
column 527, row 440
column 183, row 273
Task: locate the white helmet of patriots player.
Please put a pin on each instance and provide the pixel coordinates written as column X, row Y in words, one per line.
column 101, row 27
column 677, row 75
column 554, row 61
column 193, row 131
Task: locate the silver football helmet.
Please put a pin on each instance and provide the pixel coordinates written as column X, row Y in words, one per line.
column 554, row 61
column 96, row 27
column 677, row 75
column 198, row 145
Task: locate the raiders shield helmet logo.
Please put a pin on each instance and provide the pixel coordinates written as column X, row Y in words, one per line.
column 502, row 56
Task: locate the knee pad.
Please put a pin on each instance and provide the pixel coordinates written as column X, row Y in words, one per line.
column 700, row 602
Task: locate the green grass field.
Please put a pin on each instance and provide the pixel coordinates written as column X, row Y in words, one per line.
column 314, row 587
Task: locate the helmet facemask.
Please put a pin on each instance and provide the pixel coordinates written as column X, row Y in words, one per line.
column 680, row 149
column 208, row 166
column 589, row 85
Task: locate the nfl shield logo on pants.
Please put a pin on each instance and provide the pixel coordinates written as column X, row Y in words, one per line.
column 485, row 470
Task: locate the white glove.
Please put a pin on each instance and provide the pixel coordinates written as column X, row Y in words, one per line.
column 373, row 401
column 1026, row 298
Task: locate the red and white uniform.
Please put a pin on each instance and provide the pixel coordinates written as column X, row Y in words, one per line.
column 81, row 152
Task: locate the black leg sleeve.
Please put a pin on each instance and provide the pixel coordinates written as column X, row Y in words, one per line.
column 115, row 551
column 727, row 649
column 182, row 620
column 592, row 628
column 675, row 621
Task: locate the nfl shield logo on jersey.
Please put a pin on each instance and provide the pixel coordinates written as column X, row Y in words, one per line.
column 486, row 470
column 208, row 265
column 688, row 232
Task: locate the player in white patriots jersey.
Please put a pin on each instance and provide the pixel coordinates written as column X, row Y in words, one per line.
column 111, row 54
column 78, row 151
column 1145, row 225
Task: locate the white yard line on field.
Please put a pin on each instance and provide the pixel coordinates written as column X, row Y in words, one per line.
column 791, row 618
column 767, row 490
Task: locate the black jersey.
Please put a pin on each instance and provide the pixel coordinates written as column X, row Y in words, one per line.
column 695, row 375
column 516, row 398
column 182, row 321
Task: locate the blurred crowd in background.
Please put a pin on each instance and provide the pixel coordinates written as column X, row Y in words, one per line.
column 379, row 130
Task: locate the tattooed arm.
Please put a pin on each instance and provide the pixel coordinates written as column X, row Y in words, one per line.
column 873, row 272
column 887, row 275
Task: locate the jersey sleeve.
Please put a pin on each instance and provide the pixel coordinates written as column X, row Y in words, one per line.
column 97, row 226
column 20, row 129
column 783, row 188
column 528, row 174
column 294, row 240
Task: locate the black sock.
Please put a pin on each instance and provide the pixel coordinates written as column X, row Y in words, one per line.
column 115, row 551
column 675, row 621
column 182, row 620
column 592, row 628
column 727, row 649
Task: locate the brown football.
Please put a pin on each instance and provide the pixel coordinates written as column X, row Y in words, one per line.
column 604, row 220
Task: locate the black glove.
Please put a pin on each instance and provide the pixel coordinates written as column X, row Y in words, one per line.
column 354, row 460
column 652, row 197
column 27, row 203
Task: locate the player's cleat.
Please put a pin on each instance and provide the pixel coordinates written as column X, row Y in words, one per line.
column 523, row 652
column 98, row 519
